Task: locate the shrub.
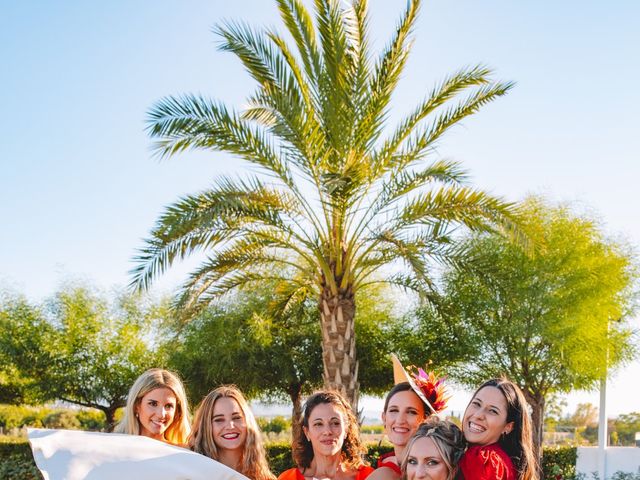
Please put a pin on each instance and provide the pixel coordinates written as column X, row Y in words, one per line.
column 62, row 419
column 559, row 463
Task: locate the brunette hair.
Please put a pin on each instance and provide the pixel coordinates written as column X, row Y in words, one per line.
column 518, row 443
column 352, row 448
column 448, row 439
column 253, row 463
column 154, row 378
column 404, row 387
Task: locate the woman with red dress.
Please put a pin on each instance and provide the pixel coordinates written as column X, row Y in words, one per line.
column 497, row 427
column 327, row 446
column 412, row 399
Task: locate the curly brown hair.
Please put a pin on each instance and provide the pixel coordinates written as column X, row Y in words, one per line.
column 352, row 448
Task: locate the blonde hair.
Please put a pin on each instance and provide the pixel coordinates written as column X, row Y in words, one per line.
column 253, row 463
column 178, row 431
column 448, row 440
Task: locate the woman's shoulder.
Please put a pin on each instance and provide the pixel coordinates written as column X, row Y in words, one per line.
column 364, row 471
column 487, row 462
column 291, row 474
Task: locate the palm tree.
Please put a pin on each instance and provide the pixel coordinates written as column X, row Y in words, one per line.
column 339, row 199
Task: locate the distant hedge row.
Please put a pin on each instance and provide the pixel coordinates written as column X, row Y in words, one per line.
column 16, row 461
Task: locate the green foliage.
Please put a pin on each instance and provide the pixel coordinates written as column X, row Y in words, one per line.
column 626, row 426
column 279, row 456
column 16, row 460
column 549, row 320
column 559, row 463
column 63, row 419
column 77, row 347
column 336, row 196
column 18, row 416
column 276, row 424
column 276, row 358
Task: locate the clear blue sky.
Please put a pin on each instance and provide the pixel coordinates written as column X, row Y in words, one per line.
column 79, row 188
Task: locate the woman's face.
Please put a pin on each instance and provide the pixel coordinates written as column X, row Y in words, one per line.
column 424, row 461
column 405, row 411
column 327, row 429
column 485, row 418
column 156, row 411
column 229, row 426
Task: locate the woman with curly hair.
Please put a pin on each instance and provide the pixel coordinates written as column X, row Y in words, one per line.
column 434, row 451
column 328, row 444
column 225, row 430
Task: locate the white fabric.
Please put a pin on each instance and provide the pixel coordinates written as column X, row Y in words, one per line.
column 77, row 455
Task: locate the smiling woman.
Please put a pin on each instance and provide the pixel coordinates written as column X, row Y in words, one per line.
column 497, row 425
column 328, row 444
column 412, row 399
column 225, row 430
column 157, row 408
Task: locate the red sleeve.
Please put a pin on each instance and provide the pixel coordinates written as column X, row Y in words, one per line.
column 364, row 472
column 487, row 463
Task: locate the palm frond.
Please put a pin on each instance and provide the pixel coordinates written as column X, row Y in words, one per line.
column 472, row 208
column 195, row 122
column 415, row 148
column 300, row 25
column 446, row 90
column 385, row 79
column 212, row 217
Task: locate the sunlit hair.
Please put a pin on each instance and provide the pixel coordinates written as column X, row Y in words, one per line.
column 518, row 443
column 448, row 439
column 352, row 448
column 154, row 378
column 403, row 387
column 253, row 463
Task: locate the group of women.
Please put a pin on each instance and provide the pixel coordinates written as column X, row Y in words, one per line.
column 495, row 441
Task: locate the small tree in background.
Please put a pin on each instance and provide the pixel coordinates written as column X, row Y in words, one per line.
column 238, row 341
column 552, row 322
column 78, row 347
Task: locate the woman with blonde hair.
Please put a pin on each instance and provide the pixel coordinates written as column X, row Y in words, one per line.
column 157, row 408
column 434, row 451
column 225, row 430
column 328, row 444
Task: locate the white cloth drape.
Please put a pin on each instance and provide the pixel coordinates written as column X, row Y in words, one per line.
column 77, row 455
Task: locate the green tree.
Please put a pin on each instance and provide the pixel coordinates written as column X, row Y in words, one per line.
column 338, row 193
column 548, row 321
column 274, row 358
column 78, row 348
column 626, row 426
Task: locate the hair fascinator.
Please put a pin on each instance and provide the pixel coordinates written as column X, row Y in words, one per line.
column 427, row 386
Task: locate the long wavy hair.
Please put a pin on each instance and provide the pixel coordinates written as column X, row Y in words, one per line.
column 448, row 439
column 352, row 448
column 518, row 443
column 253, row 463
column 178, row 431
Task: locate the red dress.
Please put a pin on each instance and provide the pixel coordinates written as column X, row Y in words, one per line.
column 383, row 463
column 488, row 462
column 295, row 474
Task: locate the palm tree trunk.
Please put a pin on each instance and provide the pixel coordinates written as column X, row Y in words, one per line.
column 337, row 314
